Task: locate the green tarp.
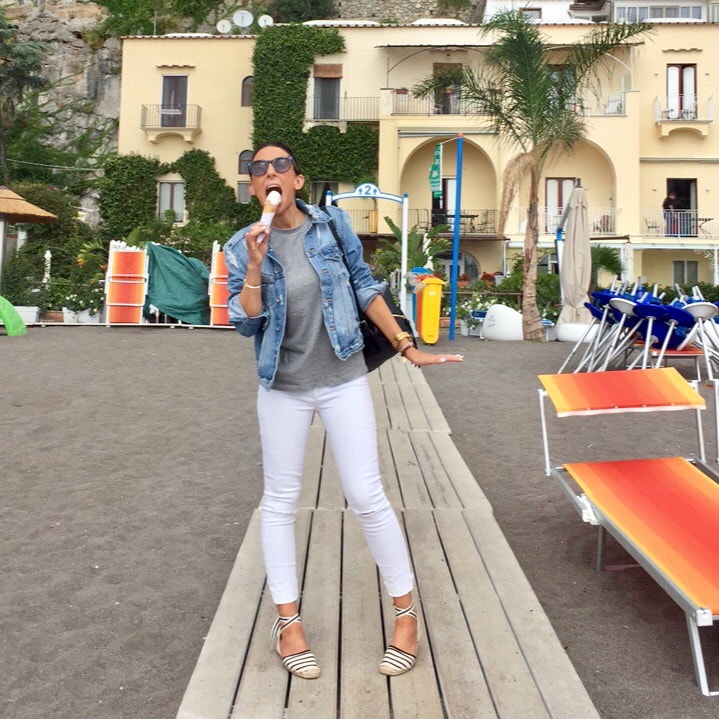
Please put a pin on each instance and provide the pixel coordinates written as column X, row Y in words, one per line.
column 177, row 285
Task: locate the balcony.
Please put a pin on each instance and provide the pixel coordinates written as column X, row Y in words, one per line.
column 183, row 120
column 681, row 223
column 338, row 111
column 683, row 112
column 404, row 103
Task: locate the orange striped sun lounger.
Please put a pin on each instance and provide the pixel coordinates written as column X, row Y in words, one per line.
column 647, row 390
column 663, row 511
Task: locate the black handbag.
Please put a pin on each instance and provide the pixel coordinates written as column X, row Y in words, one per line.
column 377, row 348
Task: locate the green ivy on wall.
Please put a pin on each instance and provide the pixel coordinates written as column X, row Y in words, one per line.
column 282, row 61
column 128, row 193
column 208, row 198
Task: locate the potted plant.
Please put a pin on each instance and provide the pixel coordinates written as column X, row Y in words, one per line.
column 472, row 312
column 84, row 303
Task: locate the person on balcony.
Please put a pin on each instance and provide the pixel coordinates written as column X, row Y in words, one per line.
column 291, row 290
column 670, row 216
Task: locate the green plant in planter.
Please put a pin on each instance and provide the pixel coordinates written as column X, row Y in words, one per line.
column 477, row 302
column 85, row 297
column 387, row 257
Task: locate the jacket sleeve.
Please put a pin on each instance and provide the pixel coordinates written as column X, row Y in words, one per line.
column 236, row 262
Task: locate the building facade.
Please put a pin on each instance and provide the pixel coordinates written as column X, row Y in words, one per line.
column 650, row 131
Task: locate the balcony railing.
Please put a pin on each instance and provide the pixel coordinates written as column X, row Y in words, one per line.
column 407, row 104
column 180, row 116
column 158, row 120
column 357, row 109
column 680, row 223
column 677, row 108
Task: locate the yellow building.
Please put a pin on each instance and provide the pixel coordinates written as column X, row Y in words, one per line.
column 650, row 131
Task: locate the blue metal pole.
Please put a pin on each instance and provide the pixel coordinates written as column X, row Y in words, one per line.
column 455, row 238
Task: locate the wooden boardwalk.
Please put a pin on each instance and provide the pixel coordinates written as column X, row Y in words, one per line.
column 487, row 650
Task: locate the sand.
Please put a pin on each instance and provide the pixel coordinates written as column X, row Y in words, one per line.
column 131, row 466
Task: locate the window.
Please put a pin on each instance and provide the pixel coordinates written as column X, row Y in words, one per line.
column 173, row 112
column 327, row 79
column 714, row 12
column 327, row 98
column 248, row 91
column 171, row 197
column 564, row 84
column 243, row 192
column 629, row 13
column 320, row 188
column 532, row 13
column 557, row 191
column 686, row 272
column 244, row 162
column 681, row 92
column 446, row 99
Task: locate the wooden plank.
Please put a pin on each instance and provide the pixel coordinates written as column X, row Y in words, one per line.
column 363, row 690
column 413, row 407
column 263, row 686
column 459, row 673
column 395, row 407
column 212, row 685
column 438, row 484
column 564, row 694
column 313, row 466
column 415, row 695
column 321, row 617
column 388, row 470
column 413, row 489
column 459, row 474
column 432, row 410
column 510, row 680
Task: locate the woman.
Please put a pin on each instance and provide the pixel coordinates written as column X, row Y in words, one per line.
column 289, row 288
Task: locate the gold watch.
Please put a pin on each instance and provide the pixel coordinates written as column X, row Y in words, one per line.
column 398, row 338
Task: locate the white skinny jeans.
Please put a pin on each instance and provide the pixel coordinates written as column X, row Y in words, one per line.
column 348, row 416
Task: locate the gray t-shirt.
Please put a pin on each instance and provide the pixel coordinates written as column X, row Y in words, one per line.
column 307, row 360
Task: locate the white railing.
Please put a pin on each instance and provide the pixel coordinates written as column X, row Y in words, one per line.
column 408, row 104
column 342, row 108
column 680, row 223
column 682, row 107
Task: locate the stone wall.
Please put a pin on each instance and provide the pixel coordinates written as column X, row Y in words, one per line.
column 386, row 10
column 401, row 11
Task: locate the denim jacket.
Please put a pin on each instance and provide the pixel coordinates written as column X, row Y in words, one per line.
column 339, row 308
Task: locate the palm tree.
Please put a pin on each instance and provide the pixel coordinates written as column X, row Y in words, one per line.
column 20, row 68
column 605, row 259
column 526, row 90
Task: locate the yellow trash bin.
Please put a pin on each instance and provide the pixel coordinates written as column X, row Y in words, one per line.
column 429, row 304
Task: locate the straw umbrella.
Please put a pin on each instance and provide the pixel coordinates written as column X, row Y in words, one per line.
column 14, row 208
column 575, row 269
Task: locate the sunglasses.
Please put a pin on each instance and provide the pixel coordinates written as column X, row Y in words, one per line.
column 258, row 168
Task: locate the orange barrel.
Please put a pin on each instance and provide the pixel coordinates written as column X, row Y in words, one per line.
column 218, row 292
column 125, row 285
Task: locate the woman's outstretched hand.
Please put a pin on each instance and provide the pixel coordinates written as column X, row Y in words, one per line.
column 419, row 358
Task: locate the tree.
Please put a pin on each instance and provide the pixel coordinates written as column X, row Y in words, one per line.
column 302, row 10
column 421, row 248
column 20, row 68
column 605, row 259
column 526, row 90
